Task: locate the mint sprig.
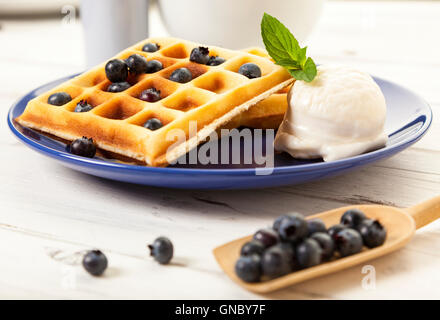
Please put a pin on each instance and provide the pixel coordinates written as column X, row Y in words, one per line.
column 285, row 50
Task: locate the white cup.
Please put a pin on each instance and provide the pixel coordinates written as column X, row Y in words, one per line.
column 111, row 26
column 235, row 24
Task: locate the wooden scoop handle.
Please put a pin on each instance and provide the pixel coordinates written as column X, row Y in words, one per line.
column 425, row 212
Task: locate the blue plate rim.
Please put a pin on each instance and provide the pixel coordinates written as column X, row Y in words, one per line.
column 67, row 157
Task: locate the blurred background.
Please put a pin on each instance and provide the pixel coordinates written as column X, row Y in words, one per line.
column 52, row 7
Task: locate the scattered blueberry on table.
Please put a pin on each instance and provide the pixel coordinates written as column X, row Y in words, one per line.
column 83, row 147
column 162, row 250
column 150, row 47
column 59, row 98
column 181, row 75
column 294, row 243
column 95, row 262
column 199, row 55
column 250, row 70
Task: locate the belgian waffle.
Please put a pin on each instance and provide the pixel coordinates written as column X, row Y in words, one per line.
column 266, row 114
column 214, row 96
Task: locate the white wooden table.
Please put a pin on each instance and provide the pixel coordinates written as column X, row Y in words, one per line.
column 48, row 212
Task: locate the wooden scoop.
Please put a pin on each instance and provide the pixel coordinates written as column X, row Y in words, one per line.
column 400, row 224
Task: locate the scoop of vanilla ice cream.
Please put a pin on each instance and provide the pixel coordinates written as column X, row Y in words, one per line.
column 341, row 113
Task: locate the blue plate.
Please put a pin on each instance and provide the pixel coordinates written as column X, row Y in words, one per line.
column 408, row 119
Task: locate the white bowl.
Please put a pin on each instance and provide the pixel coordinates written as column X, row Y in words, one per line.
column 235, row 24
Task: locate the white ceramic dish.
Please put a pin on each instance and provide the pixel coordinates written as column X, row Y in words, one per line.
column 236, row 24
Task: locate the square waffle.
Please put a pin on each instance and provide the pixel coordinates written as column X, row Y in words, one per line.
column 266, row 114
column 214, row 96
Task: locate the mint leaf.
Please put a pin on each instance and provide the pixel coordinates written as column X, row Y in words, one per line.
column 303, row 56
column 285, row 50
column 288, row 64
column 307, row 73
column 278, row 40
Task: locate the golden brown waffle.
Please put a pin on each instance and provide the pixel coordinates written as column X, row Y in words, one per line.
column 216, row 95
column 266, row 114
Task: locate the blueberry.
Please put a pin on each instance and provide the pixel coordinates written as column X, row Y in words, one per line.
column 290, row 250
column 153, row 66
column 150, row 95
column 308, row 253
column 150, row 47
column 161, row 250
column 116, row 70
column 136, row 64
column 250, row 70
column 199, row 55
column 118, row 86
column 181, row 75
column 326, row 243
column 277, row 222
column 252, row 247
column 153, row 124
column 95, row 262
column 293, row 228
column 348, row 241
column 215, row 61
column 373, row 233
column 276, row 261
column 268, row 237
column 316, row 225
column 83, row 147
column 248, row 268
column 333, row 230
column 353, row 218
column 59, row 98
column 83, row 106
